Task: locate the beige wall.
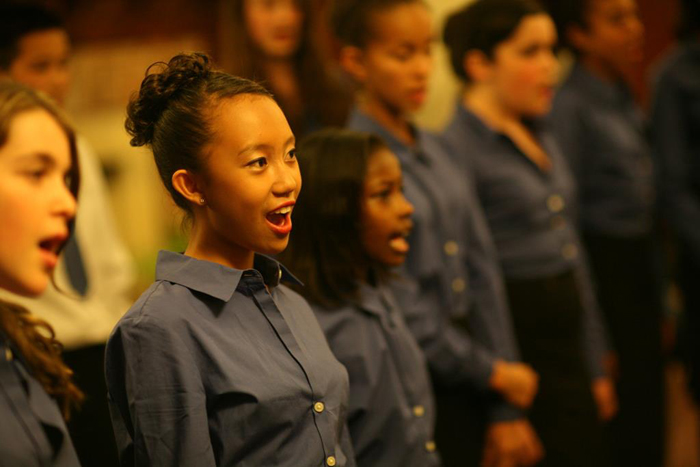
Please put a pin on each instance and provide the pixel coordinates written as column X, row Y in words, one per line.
column 444, row 86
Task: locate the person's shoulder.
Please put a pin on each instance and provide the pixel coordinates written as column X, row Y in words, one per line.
column 681, row 68
column 163, row 305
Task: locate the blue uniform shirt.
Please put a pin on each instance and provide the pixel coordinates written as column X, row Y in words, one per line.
column 391, row 414
column 454, row 266
column 32, row 431
column 601, row 132
column 215, row 366
column 676, row 135
column 529, row 212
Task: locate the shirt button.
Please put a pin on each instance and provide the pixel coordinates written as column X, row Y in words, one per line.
column 418, row 410
column 451, row 248
column 458, row 285
column 430, row 446
column 330, row 461
column 558, row 222
column 569, row 251
column 8, row 354
column 555, row 203
column 319, row 407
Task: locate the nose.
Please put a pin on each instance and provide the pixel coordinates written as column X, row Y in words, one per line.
column 405, row 207
column 65, row 204
column 287, row 180
column 424, row 65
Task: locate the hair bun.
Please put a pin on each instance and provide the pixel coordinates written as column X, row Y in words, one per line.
column 162, row 84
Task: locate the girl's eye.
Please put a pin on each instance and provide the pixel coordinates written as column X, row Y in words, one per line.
column 291, row 155
column 36, row 175
column 258, row 163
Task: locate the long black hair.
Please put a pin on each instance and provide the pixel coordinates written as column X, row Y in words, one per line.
column 325, row 250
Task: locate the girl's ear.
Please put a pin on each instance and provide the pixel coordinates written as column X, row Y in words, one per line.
column 352, row 59
column 187, row 184
column 477, row 66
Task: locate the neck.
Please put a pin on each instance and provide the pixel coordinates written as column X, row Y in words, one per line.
column 206, row 245
column 488, row 107
column 601, row 69
column 393, row 120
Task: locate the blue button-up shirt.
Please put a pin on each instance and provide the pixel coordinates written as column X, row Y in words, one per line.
column 454, row 265
column 528, row 211
column 32, row 430
column 601, row 132
column 676, row 135
column 391, row 414
column 215, row 366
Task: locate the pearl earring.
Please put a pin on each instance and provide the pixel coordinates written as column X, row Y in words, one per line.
column 201, row 201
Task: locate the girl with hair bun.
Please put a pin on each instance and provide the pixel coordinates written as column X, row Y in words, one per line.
column 218, row 363
column 504, row 52
column 38, row 186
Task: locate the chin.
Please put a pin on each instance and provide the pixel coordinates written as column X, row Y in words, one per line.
column 29, row 288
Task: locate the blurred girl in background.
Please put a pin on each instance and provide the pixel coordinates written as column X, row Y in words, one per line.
column 676, row 137
column 38, row 186
column 503, row 51
column 281, row 44
column 351, row 226
column 602, row 133
column 459, row 313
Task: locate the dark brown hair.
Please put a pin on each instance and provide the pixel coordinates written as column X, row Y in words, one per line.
column 325, row 250
column 172, row 113
column 322, row 93
column 32, row 337
column 352, row 20
column 18, row 20
column 483, row 25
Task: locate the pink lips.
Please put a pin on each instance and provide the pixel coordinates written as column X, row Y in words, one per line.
column 280, row 224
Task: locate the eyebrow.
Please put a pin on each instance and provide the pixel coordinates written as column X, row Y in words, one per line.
column 40, row 156
column 256, row 147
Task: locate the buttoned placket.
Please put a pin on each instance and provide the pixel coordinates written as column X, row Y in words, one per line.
column 253, row 281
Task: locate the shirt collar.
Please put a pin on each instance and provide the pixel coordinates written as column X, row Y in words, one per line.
column 361, row 121
column 610, row 93
column 471, row 120
column 372, row 299
column 213, row 279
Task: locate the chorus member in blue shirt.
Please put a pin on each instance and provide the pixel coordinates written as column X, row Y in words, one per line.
column 675, row 128
column 218, row 363
column 38, row 186
column 503, row 51
column 602, row 133
column 387, row 51
column 350, row 229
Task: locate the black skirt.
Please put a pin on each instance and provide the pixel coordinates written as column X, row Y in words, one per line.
column 626, row 271
column 547, row 315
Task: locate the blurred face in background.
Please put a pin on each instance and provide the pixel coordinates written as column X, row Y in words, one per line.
column 523, row 70
column 274, row 26
column 613, row 36
column 35, row 202
column 385, row 212
column 42, row 63
column 395, row 65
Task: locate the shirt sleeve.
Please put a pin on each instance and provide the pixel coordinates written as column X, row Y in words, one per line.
column 596, row 342
column 674, row 158
column 489, row 318
column 453, row 355
column 157, row 397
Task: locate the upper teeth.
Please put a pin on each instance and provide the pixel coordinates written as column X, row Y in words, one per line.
column 284, row 210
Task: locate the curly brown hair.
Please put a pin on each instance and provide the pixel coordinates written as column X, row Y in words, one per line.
column 33, row 338
column 36, row 341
